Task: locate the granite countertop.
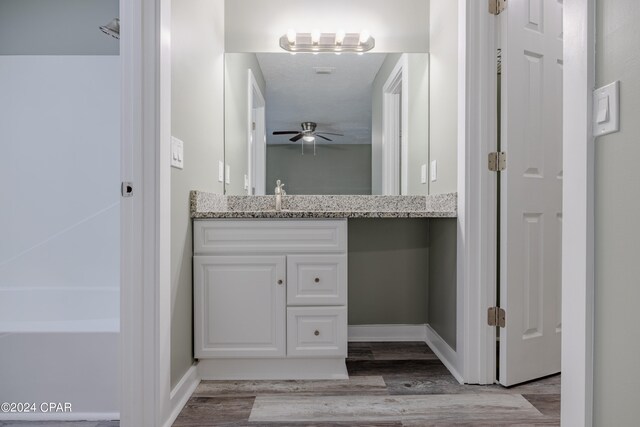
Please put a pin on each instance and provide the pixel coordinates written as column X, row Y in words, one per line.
column 208, row 205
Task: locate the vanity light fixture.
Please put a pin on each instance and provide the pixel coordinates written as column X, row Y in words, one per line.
column 318, row 42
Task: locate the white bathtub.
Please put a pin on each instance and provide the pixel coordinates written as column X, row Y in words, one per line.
column 60, row 345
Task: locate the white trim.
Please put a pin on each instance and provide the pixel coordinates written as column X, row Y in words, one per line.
column 57, row 417
column 285, row 368
column 397, row 80
column 253, row 87
column 445, row 353
column 578, row 214
column 477, row 198
column 145, row 268
column 181, row 393
column 390, row 333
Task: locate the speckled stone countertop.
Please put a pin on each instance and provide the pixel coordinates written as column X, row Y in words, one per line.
column 208, row 205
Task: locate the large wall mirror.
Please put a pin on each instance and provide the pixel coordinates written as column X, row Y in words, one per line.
column 326, row 123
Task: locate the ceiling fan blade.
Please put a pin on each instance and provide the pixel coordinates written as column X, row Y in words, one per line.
column 325, row 138
column 296, row 138
column 329, row 133
column 286, row 132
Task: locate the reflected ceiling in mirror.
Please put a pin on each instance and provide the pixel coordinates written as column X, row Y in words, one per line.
column 333, row 91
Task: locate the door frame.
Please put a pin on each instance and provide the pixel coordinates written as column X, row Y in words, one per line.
column 252, row 149
column 391, row 109
column 578, row 276
column 145, row 308
column 145, row 289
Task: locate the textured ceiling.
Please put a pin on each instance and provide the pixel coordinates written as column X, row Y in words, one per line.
column 339, row 102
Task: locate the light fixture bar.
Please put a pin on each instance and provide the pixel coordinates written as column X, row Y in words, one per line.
column 317, row 42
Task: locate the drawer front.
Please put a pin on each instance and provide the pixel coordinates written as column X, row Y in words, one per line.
column 227, row 236
column 317, row 280
column 317, row 332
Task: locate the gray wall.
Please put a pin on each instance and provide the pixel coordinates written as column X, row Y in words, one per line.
column 388, row 271
column 335, row 169
column 236, row 95
column 56, row 27
column 443, row 62
column 442, row 278
column 197, row 105
column 617, row 209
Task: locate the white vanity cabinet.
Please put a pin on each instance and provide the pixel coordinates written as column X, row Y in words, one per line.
column 270, row 298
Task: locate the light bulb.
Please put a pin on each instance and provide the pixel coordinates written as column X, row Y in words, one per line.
column 315, row 36
column 340, row 37
column 308, row 138
column 291, row 36
column 364, row 36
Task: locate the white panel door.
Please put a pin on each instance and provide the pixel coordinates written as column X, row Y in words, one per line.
column 239, row 306
column 531, row 189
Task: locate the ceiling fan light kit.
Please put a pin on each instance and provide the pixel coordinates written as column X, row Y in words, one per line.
column 307, row 134
column 318, row 42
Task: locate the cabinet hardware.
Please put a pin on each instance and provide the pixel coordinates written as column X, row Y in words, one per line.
column 280, row 282
column 317, row 280
column 316, row 333
column 496, row 316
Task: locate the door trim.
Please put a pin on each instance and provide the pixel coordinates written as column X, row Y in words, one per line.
column 578, row 213
column 477, row 192
column 253, row 181
column 391, row 109
column 145, row 310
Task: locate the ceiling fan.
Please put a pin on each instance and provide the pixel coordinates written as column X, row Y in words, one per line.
column 308, row 133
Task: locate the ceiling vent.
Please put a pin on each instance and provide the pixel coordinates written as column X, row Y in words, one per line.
column 324, row 70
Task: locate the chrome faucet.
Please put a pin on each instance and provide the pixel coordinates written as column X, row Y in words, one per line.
column 279, row 192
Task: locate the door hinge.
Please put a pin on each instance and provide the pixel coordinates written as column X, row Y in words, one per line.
column 496, row 316
column 497, row 6
column 126, row 189
column 497, row 161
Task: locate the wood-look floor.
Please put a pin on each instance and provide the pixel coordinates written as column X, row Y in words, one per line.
column 390, row 384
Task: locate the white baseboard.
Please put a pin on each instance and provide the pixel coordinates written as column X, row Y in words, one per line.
column 181, row 393
column 363, row 333
column 445, row 353
column 69, row 416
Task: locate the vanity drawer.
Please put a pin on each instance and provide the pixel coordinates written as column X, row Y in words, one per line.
column 227, row 236
column 317, row 280
column 316, row 331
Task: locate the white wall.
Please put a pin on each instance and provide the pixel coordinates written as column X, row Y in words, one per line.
column 60, row 174
column 617, row 208
column 397, row 26
column 236, row 100
column 197, row 78
column 443, row 59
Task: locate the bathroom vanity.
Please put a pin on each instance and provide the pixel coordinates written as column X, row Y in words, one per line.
column 270, row 287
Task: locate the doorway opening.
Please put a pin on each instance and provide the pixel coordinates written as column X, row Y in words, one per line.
column 255, row 182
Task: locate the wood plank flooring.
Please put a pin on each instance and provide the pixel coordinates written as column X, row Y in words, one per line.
column 390, row 384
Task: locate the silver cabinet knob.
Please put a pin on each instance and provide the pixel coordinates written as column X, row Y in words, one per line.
column 316, row 333
column 317, row 280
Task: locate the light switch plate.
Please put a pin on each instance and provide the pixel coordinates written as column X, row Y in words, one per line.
column 606, row 109
column 434, row 170
column 177, row 153
column 220, row 171
column 423, row 174
column 227, row 174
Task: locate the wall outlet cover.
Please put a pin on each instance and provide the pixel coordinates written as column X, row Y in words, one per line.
column 221, row 171
column 434, row 170
column 227, row 174
column 423, row 174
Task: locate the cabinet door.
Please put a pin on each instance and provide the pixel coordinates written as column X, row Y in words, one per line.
column 239, row 306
